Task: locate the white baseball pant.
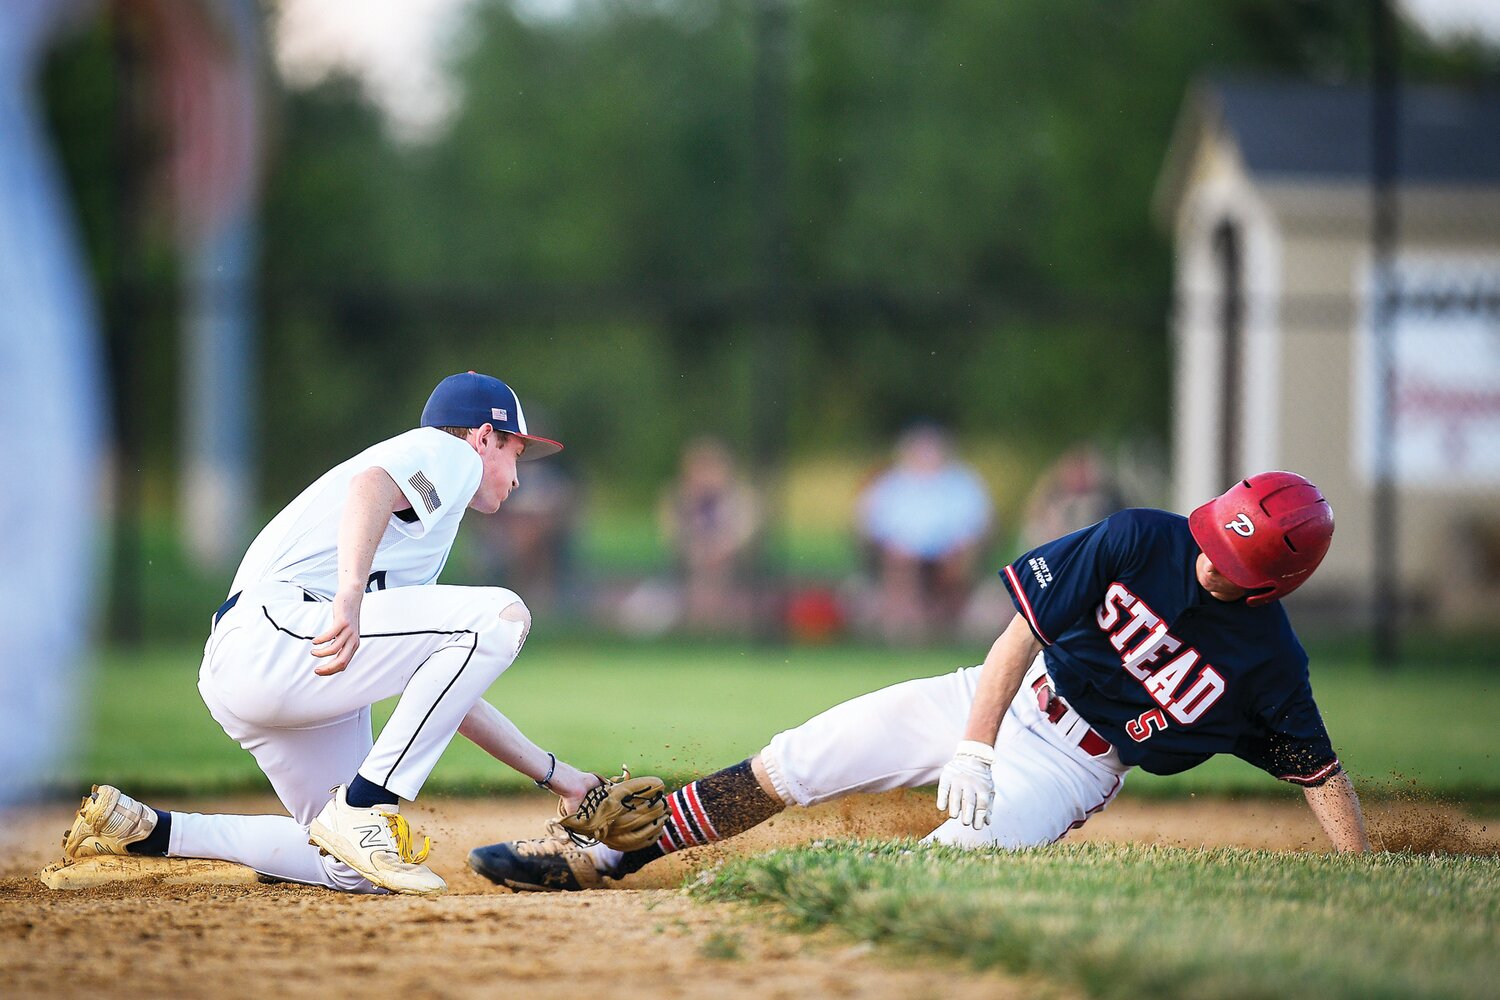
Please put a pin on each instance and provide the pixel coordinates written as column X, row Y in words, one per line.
column 437, row 647
column 903, row 735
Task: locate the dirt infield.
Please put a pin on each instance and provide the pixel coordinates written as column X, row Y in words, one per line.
column 230, row 941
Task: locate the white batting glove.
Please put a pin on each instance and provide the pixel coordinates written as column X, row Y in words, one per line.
column 966, row 789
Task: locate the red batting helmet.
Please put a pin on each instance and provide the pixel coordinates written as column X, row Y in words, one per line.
column 1266, row 533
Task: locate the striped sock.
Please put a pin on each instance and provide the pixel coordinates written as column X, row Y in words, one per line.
column 688, row 824
column 720, row 805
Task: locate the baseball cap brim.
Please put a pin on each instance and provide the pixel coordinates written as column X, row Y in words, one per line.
column 537, row 447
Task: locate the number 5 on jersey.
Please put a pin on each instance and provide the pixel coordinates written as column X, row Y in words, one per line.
column 1140, row 727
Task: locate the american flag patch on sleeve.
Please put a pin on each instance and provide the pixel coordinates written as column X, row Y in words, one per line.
column 427, row 491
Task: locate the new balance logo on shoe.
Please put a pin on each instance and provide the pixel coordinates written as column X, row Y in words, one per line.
column 377, row 844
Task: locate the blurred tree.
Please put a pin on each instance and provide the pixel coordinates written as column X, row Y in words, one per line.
column 969, row 185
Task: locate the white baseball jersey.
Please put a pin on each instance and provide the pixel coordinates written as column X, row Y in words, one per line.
column 439, row 475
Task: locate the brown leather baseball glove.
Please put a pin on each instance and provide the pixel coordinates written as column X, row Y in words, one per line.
column 624, row 813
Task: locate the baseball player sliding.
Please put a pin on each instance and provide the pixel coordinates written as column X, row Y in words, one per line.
column 335, row 607
column 1148, row 640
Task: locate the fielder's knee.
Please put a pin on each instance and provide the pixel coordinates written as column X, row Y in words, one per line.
column 498, row 608
column 517, row 611
column 499, row 643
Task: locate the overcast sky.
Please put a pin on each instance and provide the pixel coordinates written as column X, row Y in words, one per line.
column 395, row 47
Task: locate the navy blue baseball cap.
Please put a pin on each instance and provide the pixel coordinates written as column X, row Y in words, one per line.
column 472, row 399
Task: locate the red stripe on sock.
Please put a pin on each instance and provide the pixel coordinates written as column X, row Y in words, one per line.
column 684, row 832
column 690, row 793
column 690, row 828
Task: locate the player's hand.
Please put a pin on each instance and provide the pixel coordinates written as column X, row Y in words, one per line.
column 341, row 638
column 966, row 789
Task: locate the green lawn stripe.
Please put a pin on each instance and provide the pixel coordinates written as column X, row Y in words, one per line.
column 1128, row 921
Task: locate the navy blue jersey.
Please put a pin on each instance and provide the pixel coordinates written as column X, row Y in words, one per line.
column 1158, row 666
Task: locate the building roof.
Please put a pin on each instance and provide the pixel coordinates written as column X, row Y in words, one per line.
column 1285, row 128
column 1292, row 130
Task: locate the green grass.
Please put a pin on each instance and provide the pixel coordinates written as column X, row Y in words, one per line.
column 676, row 709
column 1138, row 921
column 685, row 708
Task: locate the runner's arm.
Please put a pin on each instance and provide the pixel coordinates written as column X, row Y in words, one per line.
column 966, row 786
column 1336, row 805
column 1000, row 679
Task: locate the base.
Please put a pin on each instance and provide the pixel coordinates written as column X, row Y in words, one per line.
column 110, row 868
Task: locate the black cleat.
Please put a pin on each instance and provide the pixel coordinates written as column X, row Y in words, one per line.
column 550, row 864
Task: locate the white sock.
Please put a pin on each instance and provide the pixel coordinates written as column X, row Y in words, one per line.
column 606, row 859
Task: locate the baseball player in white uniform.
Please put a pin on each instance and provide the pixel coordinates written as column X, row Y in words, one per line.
column 335, row 607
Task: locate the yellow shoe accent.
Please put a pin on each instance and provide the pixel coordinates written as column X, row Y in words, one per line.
column 401, row 830
column 377, row 842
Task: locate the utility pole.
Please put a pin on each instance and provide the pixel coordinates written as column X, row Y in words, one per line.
column 124, row 323
column 771, row 402
column 1385, row 170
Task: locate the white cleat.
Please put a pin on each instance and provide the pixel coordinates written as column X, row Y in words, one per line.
column 107, row 821
column 377, row 843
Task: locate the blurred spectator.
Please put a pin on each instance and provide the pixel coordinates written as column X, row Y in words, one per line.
column 814, row 615
column 201, row 59
column 49, row 377
column 528, row 544
column 708, row 518
column 1077, row 490
column 924, row 521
